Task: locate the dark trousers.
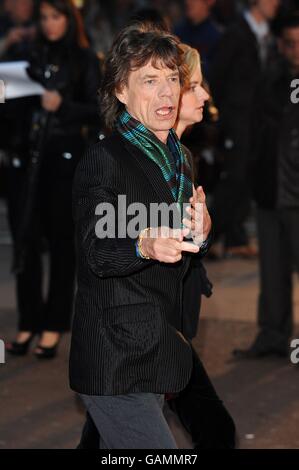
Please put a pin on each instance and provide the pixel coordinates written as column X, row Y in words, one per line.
column 51, row 226
column 230, row 209
column 278, row 235
column 231, row 197
column 198, row 407
column 132, row 421
column 195, row 284
column 192, row 292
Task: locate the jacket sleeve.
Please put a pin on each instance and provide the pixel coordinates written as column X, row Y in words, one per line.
column 106, row 257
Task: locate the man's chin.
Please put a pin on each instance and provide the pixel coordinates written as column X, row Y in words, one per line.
column 164, row 124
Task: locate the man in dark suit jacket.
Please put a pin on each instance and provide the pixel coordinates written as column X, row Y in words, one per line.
column 127, row 348
column 243, row 52
column 275, row 180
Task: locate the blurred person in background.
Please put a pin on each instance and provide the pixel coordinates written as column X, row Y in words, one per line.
column 171, row 9
column 193, row 96
column 19, row 31
column 148, row 18
column 120, row 11
column 200, row 31
column 275, row 178
column 198, row 406
column 243, row 53
column 4, row 17
column 97, row 26
column 43, row 158
column 193, row 99
column 225, row 11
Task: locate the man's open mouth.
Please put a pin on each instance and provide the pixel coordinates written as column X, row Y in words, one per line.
column 165, row 111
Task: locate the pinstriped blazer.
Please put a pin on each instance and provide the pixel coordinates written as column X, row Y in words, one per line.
column 126, row 328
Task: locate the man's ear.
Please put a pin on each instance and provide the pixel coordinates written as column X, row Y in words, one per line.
column 122, row 94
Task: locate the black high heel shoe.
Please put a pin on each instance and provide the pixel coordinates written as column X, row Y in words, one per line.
column 47, row 352
column 19, row 349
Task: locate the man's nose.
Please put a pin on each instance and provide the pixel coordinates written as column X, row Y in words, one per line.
column 166, row 89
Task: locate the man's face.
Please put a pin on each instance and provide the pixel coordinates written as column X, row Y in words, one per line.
column 268, row 8
column 198, row 10
column 151, row 96
column 289, row 46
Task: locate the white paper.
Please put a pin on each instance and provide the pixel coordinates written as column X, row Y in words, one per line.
column 17, row 82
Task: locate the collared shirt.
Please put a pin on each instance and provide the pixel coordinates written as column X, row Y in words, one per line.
column 262, row 33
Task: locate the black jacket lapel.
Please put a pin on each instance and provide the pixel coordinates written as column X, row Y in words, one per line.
column 151, row 171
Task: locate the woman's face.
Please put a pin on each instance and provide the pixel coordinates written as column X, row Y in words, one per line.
column 53, row 23
column 193, row 100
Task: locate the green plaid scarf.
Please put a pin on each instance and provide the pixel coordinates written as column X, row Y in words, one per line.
column 176, row 171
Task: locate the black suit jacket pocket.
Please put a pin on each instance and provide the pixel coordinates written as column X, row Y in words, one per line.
column 135, row 327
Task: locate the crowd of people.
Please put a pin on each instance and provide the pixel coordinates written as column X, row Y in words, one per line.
column 240, row 133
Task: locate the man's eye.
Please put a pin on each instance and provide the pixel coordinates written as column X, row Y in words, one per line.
column 174, row 79
column 150, row 82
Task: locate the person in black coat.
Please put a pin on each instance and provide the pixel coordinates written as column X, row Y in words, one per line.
column 199, row 30
column 127, row 348
column 243, row 53
column 193, row 100
column 275, row 181
column 200, row 410
column 50, row 135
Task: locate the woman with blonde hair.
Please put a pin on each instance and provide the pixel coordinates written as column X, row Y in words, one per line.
column 198, row 407
column 193, row 95
column 193, row 99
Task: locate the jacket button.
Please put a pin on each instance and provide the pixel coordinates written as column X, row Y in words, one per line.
column 67, row 155
column 16, row 163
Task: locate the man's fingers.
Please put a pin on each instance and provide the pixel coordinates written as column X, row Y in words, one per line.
column 198, row 195
column 201, row 197
column 196, row 214
column 178, row 233
column 194, row 191
column 187, row 222
column 190, row 247
column 172, row 259
column 190, row 224
column 170, row 246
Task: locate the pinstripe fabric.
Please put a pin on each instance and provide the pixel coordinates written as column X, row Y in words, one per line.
column 125, row 335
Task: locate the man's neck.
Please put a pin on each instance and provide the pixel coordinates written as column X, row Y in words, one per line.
column 162, row 135
column 257, row 15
